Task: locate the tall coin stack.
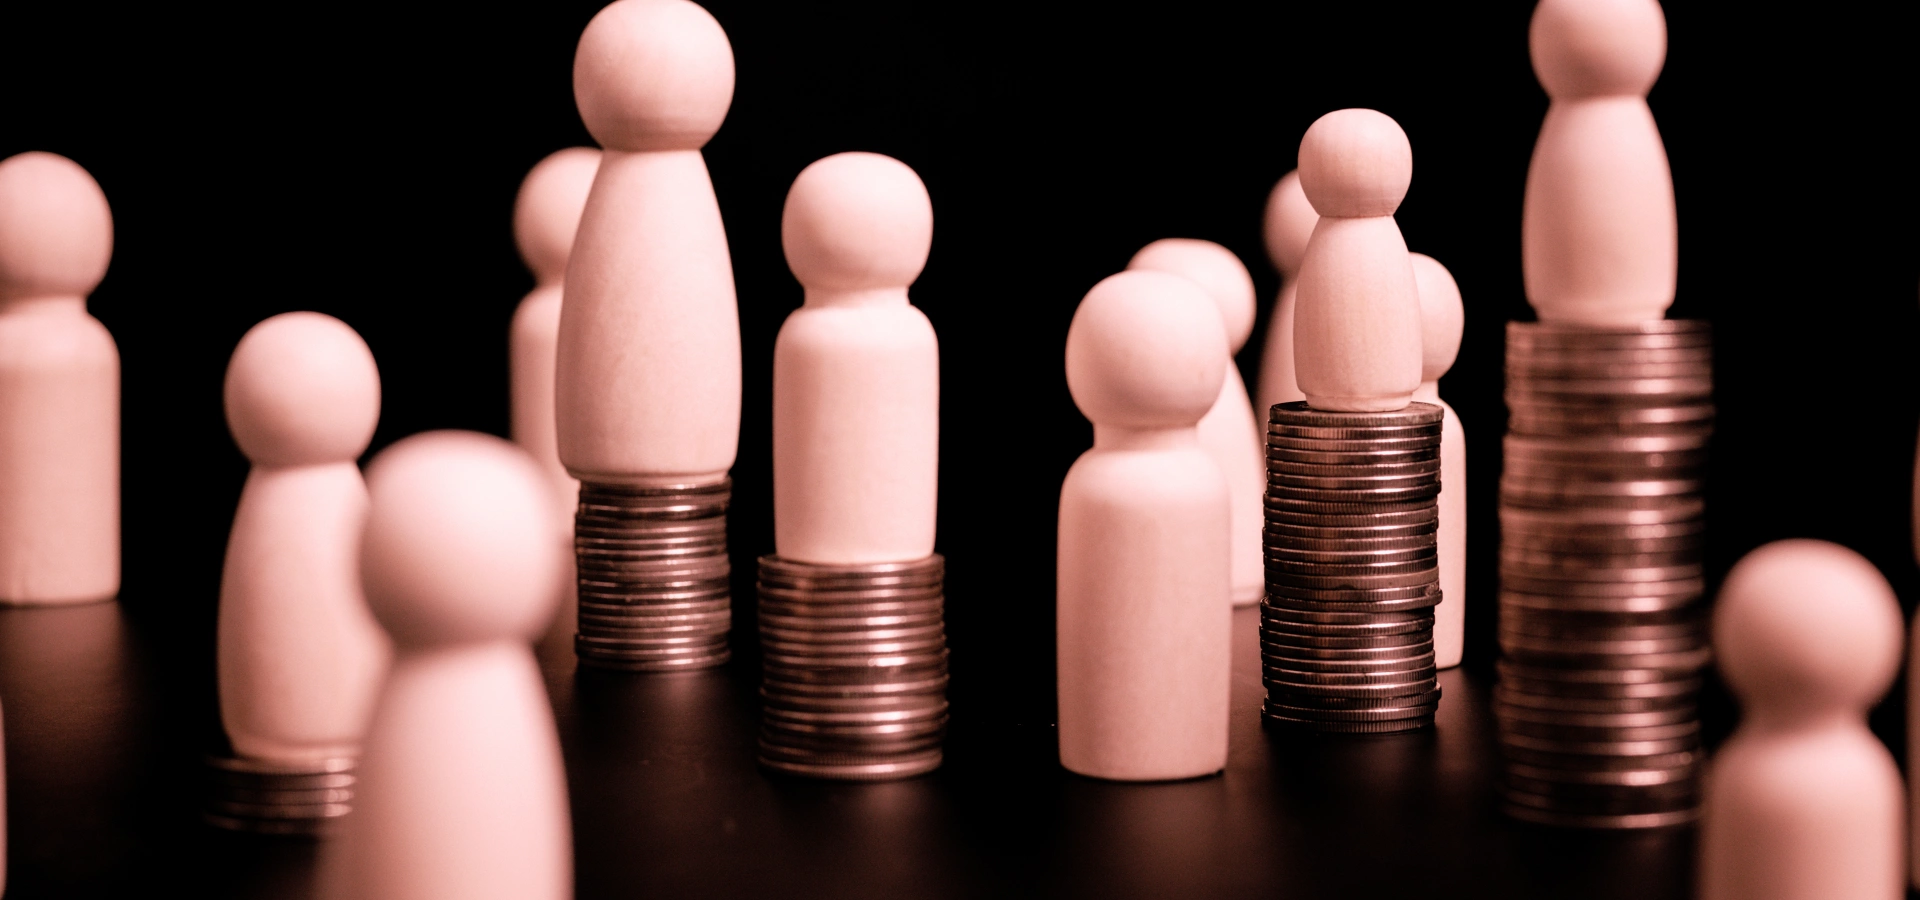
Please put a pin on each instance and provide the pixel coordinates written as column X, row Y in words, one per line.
column 654, row 579
column 1346, row 632
column 1603, row 631
column 855, row 661
column 261, row 797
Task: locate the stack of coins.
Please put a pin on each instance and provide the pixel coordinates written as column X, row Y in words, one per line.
column 1602, row 627
column 267, row 798
column 1346, row 632
column 655, row 585
column 856, row 668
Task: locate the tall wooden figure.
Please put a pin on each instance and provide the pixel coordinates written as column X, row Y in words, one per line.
column 461, row 788
column 545, row 217
column 1232, row 434
column 59, row 388
column 1803, row 802
column 1145, row 551
column 1289, row 223
column 1441, row 321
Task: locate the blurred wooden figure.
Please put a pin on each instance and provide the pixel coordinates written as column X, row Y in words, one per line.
column 1289, row 223
column 1230, row 432
column 59, row 388
column 1441, row 321
column 1144, row 619
column 545, row 217
column 1803, row 802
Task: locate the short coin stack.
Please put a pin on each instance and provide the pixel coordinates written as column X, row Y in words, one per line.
column 855, row 661
column 267, row 798
column 1603, row 631
column 1346, row 632
column 654, row 580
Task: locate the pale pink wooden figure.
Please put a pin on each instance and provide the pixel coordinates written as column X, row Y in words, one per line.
column 461, row 791
column 856, row 371
column 59, row 388
column 1599, row 243
column 1230, row 432
column 1289, row 223
column 299, row 657
column 545, row 217
column 1803, row 802
column 1144, row 619
column 647, row 371
column 1356, row 338
column 1442, row 318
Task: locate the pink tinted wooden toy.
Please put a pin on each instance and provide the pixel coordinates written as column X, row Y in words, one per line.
column 1599, row 241
column 59, row 388
column 299, row 656
column 856, row 371
column 1803, row 802
column 1441, row 320
column 1356, row 339
column 545, row 216
column 1144, row 580
column 647, row 372
column 461, row 791
column 1229, row 431
column 1289, row 223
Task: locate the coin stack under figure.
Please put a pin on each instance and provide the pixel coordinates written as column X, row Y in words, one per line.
column 653, row 577
column 1353, row 472
column 265, row 797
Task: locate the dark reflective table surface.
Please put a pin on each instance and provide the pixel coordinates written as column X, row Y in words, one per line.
column 106, row 719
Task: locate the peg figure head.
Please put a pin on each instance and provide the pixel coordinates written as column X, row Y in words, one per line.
column 1289, row 222
column 1597, row 48
column 1354, row 163
column 1146, row 350
column 855, row 222
column 1216, row 270
column 653, row 75
column 1442, row 318
column 546, row 214
column 302, row 389
column 56, row 232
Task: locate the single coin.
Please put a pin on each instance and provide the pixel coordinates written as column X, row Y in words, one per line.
column 1604, row 801
column 1425, row 575
column 1655, row 603
column 1689, row 623
column 1297, row 653
column 1578, row 820
column 1577, row 719
column 1381, row 714
column 1336, row 525
column 850, row 623
column 782, row 716
column 1307, row 702
column 1688, row 768
column 1284, row 630
column 1522, row 541
column 807, row 634
column 1650, row 490
column 1374, row 554
column 1325, row 642
column 1285, row 455
column 1677, row 688
column 1684, row 510
column 614, row 662
column 1359, row 500
column 1385, row 691
column 1509, row 738
column 1379, row 599
column 1562, row 703
column 1293, row 618
column 1564, row 564
column 1284, row 663
column 1526, row 368
column 1390, row 727
column 1284, row 568
column 1687, row 584
column 1360, row 544
column 854, row 769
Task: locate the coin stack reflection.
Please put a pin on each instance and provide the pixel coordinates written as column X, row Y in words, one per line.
column 653, row 576
column 855, row 661
column 1346, row 632
column 269, row 798
column 1603, row 631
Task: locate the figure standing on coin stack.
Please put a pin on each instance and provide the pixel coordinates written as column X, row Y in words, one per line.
column 1602, row 632
column 852, row 624
column 647, row 369
column 1441, row 321
column 545, row 217
column 1346, row 633
column 1289, row 223
column 59, row 388
column 1144, row 611
column 1229, row 430
column 299, row 655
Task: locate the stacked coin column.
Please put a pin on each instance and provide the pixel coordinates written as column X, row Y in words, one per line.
column 654, row 581
column 1346, row 632
column 1603, row 631
column 264, row 797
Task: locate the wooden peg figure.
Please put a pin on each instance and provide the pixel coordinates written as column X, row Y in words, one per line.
column 1599, row 242
column 59, row 388
column 1230, row 432
column 1356, row 339
column 545, row 217
column 461, row 791
column 647, row 371
column 1441, row 320
column 1803, row 802
column 1144, row 618
column 1289, row 223
column 299, row 657
column 856, row 371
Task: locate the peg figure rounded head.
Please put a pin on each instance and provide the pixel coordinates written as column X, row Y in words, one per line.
column 855, row 222
column 653, row 75
column 1597, row 48
column 1289, row 222
column 1354, row 163
column 1807, row 627
column 56, row 232
column 1216, row 270
column 458, row 547
column 1146, row 350
column 1442, row 318
column 546, row 214
column 302, row 389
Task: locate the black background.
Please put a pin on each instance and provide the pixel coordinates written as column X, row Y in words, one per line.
column 363, row 162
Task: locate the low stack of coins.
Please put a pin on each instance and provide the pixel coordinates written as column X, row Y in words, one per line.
column 267, row 798
column 1346, row 632
column 1603, row 630
column 855, row 661
column 655, row 585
